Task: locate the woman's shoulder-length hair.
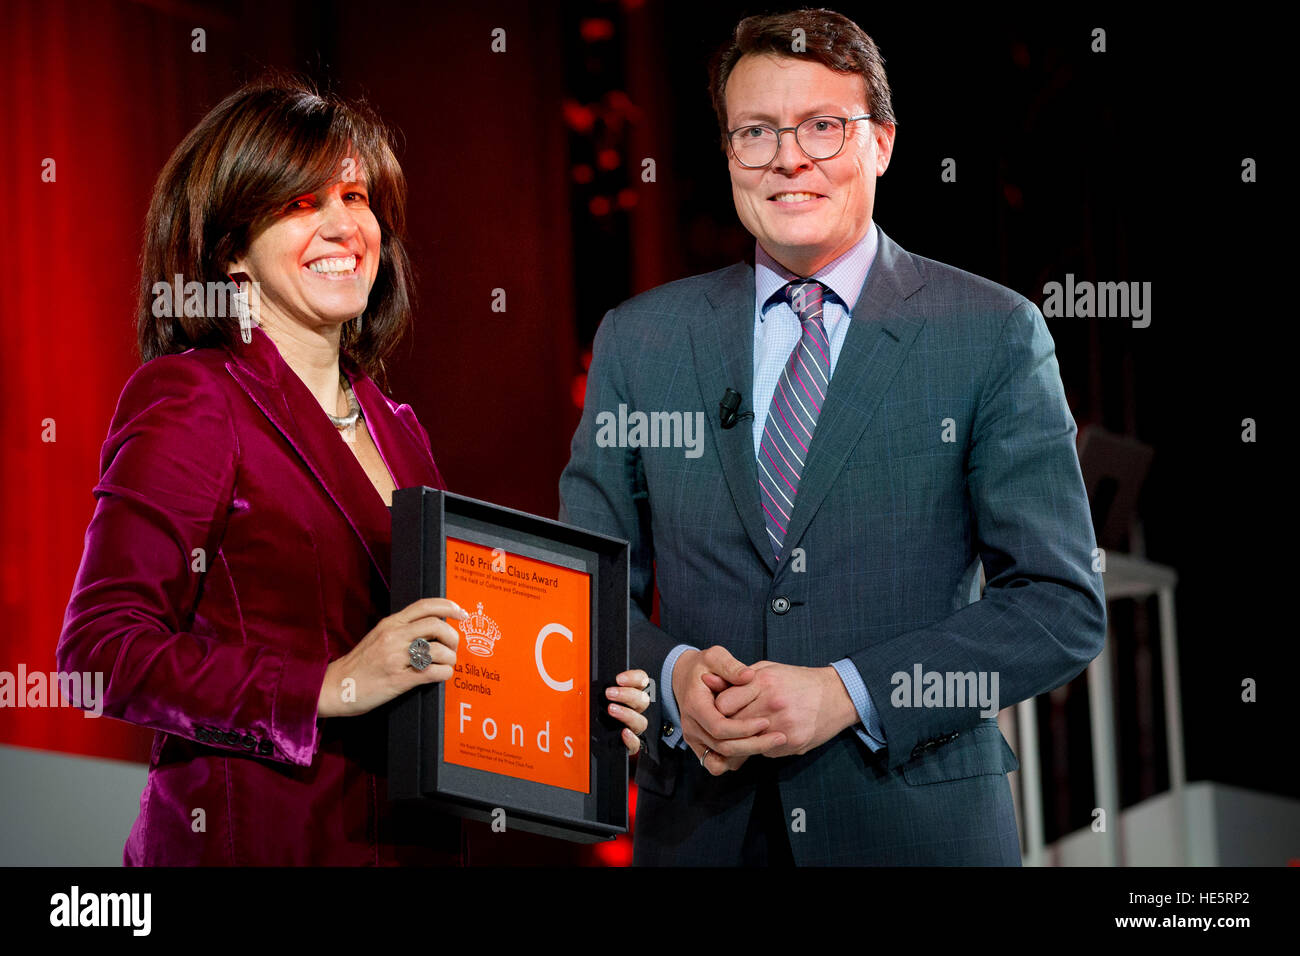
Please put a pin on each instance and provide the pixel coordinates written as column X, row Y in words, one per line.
column 264, row 145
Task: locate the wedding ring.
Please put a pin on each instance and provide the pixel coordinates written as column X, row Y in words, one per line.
column 707, row 751
column 419, row 653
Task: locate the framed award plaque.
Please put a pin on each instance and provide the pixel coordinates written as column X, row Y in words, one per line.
column 521, row 728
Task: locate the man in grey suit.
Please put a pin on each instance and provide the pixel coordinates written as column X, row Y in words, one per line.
column 878, row 426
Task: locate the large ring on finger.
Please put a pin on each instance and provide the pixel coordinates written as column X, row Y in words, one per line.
column 419, row 654
column 704, row 756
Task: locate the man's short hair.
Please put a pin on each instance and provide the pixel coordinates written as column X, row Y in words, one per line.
column 828, row 38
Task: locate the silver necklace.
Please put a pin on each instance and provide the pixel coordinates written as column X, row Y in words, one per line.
column 354, row 407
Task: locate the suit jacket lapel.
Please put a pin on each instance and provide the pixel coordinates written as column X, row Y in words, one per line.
column 288, row 404
column 722, row 338
column 882, row 331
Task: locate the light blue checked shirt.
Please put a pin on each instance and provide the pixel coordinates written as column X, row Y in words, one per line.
column 776, row 333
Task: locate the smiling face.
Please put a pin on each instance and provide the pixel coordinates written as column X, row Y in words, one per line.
column 805, row 212
column 316, row 259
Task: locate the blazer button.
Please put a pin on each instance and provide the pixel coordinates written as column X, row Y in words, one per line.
column 780, row 605
column 265, row 748
column 201, row 734
column 232, row 737
column 248, row 743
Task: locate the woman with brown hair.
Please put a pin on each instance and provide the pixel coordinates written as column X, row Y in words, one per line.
column 240, row 542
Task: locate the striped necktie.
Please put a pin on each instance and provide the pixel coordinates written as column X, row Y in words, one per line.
column 792, row 417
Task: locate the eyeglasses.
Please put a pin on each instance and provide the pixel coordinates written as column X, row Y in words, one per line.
column 820, row 137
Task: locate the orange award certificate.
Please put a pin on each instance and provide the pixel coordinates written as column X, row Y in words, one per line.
column 518, row 701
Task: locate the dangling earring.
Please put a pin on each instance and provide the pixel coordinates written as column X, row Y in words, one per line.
column 243, row 312
column 358, row 325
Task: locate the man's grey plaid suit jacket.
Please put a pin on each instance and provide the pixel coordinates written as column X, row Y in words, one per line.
column 893, row 522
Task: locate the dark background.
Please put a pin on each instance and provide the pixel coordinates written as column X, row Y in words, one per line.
column 524, row 168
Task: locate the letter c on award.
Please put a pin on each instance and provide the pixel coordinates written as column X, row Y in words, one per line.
column 542, row 635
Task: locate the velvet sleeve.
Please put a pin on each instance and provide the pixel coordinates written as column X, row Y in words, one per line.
column 167, row 482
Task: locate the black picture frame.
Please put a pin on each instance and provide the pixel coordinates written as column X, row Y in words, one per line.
column 422, row 520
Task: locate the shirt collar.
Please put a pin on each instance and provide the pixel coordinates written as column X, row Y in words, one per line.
column 843, row 276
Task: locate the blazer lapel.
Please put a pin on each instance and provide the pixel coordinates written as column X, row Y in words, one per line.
column 402, row 450
column 883, row 328
column 288, row 404
column 722, row 339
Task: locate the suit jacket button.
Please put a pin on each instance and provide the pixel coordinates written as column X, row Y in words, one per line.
column 232, row 737
column 265, row 748
column 201, row 734
column 780, row 605
column 248, row 743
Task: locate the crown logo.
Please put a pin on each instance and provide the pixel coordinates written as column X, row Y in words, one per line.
column 481, row 633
